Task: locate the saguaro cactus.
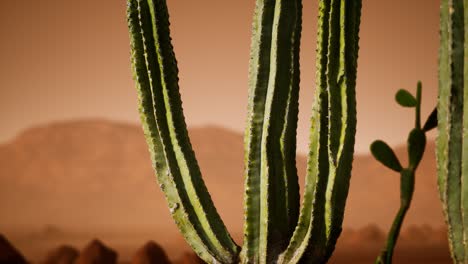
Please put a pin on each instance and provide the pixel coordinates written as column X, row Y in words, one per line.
column 452, row 141
column 276, row 231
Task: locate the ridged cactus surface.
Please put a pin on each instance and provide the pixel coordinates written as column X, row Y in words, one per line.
column 271, row 185
column 452, row 140
column 179, row 176
column 331, row 135
column 277, row 228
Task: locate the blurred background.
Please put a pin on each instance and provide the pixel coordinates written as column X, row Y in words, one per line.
column 73, row 162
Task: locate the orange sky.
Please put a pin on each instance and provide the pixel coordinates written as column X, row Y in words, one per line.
column 63, row 59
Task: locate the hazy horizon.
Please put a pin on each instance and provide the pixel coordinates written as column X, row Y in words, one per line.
column 70, row 60
column 73, row 181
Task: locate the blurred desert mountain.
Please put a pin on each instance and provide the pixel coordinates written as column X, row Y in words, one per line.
column 76, row 171
column 96, row 175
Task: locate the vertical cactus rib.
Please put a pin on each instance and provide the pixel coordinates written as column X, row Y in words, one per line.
column 289, row 133
column 443, row 102
column 332, row 134
column 270, row 161
column 341, row 164
column 465, row 133
column 311, row 222
column 259, row 68
column 155, row 72
column 450, row 141
column 335, row 75
column 275, row 226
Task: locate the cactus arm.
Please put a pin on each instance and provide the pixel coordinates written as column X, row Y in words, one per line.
column 341, row 162
column 337, row 98
column 155, row 72
column 450, row 117
column 289, row 133
column 311, row 222
column 258, row 82
column 335, row 72
column 277, row 181
column 332, row 139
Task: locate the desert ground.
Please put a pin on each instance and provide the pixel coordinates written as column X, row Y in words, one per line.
column 69, row 183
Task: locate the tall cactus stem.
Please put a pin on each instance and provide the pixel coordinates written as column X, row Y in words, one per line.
column 272, row 210
column 452, row 143
column 155, row 72
column 277, row 229
column 332, row 134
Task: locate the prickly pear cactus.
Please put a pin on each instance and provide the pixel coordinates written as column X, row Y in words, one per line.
column 416, row 147
column 452, row 140
column 277, row 229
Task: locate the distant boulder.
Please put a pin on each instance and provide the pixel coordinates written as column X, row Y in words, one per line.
column 190, row 258
column 97, row 253
column 61, row 255
column 371, row 233
column 150, row 253
column 9, row 254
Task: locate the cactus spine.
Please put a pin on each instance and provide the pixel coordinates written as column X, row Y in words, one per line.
column 452, row 140
column 277, row 229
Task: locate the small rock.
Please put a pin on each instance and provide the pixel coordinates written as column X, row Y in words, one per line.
column 150, row 253
column 97, row 253
column 61, row 255
column 9, row 254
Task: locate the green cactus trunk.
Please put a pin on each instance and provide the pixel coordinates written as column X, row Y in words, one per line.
column 155, row 72
column 275, row 230
column 452, row 140
column 331, row 135
column 271, row 187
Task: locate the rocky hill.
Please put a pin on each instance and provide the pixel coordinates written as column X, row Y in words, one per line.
column 96, row 175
